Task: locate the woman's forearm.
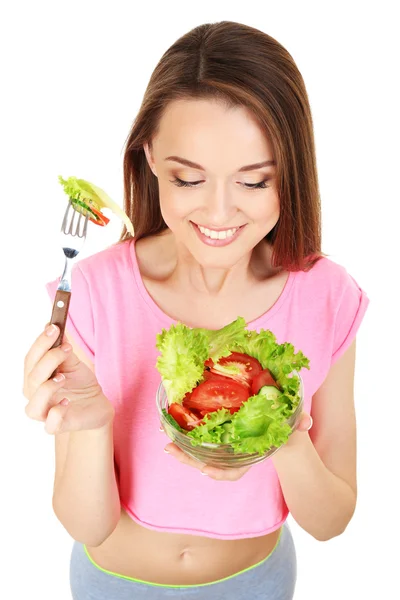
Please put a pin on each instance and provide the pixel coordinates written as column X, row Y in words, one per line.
column 86, row 499
column 319, row 501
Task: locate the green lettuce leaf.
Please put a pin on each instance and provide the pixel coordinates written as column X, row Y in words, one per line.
column 284, row 361
column 259, row 345
column 181, row 363
column 259, row 425
column 216, row 425
column 224, row 341
column 280, row 359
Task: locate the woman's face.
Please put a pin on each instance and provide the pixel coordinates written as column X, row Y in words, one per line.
column 223, row 215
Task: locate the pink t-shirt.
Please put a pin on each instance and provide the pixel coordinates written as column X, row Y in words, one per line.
column 115, row 321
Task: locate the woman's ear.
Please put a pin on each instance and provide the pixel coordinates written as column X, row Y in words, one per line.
column 148, row 153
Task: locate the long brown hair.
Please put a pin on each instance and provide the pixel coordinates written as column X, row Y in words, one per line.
column 240, row 66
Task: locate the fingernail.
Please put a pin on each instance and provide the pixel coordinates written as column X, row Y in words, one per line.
column 51, row 329
column 59, row 377
column 64, row 402
column 166, row 451
column 311, row 424
column 66, row 347
column 204, row 473
column 161, row 429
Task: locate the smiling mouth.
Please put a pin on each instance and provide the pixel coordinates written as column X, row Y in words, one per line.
column 218, row 234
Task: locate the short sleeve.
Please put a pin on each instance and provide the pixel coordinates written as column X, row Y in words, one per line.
column 80, row 323
column 353, row 305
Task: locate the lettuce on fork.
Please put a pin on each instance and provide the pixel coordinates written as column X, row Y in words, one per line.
column 88, row 198
column 260, row 423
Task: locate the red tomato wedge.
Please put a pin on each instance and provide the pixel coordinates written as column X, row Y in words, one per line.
column 249, row 367
column 99, row 218
column 211, row 375
column 216, row 393
column 184, row 417
column 208, row 375
column 261, row 379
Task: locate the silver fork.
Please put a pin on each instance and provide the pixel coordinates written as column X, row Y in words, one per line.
column 73, row 237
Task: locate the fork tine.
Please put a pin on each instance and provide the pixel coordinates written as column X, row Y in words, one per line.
column 64, row 223
column 72, row 221
column 78, row 224
column 81, row 232
column 77, row 230
column 85, row 226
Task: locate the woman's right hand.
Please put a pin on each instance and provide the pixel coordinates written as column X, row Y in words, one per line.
column 73, row 400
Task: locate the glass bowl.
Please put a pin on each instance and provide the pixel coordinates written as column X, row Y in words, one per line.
column 220, row 455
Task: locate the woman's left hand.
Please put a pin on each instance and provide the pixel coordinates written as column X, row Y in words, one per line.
column 304, row 424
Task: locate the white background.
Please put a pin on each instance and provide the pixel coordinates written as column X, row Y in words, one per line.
column 73, row 77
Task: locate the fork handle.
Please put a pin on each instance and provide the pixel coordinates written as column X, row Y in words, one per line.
column 59, row 316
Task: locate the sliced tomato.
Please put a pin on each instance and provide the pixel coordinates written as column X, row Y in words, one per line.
column 211, row 375
column 207, row 374
column 261, row 379
column 184, row 417
column 98, row 218
column 232, row 410
column 216, row 393
column 248, row 366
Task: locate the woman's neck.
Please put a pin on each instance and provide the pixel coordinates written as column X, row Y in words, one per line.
column 188, row 273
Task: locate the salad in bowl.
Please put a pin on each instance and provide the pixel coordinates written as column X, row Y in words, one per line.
column 228, row 397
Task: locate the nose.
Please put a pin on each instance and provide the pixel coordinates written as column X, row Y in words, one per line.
column 219, row 208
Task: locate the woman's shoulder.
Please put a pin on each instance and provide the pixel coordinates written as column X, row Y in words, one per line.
column 328, row 274
column 151, row 256
column 155, row 256
column 330, row 286
column 116, row 256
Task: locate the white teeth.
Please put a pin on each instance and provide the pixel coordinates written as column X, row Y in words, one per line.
column 217, row 235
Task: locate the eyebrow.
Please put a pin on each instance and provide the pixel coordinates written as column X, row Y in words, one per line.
column 193, row 165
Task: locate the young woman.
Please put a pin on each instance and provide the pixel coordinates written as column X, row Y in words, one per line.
column 221, row 186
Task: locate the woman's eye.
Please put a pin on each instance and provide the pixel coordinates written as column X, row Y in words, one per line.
column 181, row 183
column 248, row 186
column 256, row 186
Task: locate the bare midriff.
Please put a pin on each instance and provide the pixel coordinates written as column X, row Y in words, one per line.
column 177, row 559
